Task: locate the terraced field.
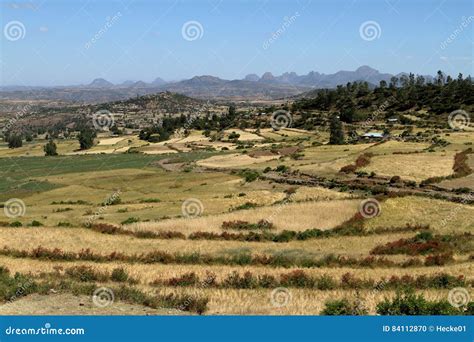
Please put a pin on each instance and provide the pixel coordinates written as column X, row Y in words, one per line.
column 205, row 232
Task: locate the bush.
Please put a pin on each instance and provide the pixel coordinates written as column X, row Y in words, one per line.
column 244, row 225
column 150, row 200
column 35, row 223
column 50, row 149
column 297, row 278
column 84, row 274
column 348, row 168
column 249, row 175
column 130, row 220
column 343, row 307
column 16, row 224
column 247, row 281
column 408, row 303
column 187, row 279
column 282, row 168
column 246, row 205
column 119, row 275
column 439, row 259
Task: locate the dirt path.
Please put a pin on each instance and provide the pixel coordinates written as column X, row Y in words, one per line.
column 68, row 304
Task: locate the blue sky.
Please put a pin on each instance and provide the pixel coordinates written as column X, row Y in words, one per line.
column 144, row 39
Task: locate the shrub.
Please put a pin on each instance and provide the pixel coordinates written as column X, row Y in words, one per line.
column 249, row 175
column 150, row 200
column 267, row 281
column 106, row 228
column 439, row 259
column 422, row 243
column 247, row 281
column 244, row 225
column 119, row 275
column 187, row 279
column 363, row 160
column 130, row 220
column 348, row 168
column 408, row 303
column 13, row 287
column 297, row 278
column 85, row 274
column 282, row 168
column 246, row 205
column 343, row 307
column 16, row 224
column 325, row 282
column 112, row 200
column 395, row 179
column 35, row 223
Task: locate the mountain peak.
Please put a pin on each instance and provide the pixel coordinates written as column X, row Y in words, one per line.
column 252, row 77
column 100, row 83
column 365, row 69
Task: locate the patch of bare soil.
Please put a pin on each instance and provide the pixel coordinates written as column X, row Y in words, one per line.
column 286, row 151
column 166, row 165
column 68, row 304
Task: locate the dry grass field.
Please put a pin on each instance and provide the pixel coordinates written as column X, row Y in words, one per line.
column 201, row 225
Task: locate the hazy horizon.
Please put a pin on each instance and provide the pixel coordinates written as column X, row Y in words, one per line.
column 53, row 43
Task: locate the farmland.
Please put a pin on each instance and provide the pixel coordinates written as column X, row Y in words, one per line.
column 274, row 228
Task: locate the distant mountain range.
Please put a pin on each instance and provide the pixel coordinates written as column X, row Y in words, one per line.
column 252, row 87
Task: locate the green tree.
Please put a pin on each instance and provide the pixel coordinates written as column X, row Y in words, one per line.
column 336, row 132
column 86, row 138
column 15, row 141
column 50, row 149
